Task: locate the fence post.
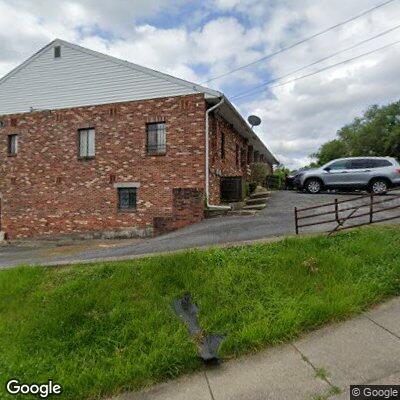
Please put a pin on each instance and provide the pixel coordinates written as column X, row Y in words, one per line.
column 336, row 210
column 296, row 220
column 371, row 209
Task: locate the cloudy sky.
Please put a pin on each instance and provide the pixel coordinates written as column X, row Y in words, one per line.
column 199, row 40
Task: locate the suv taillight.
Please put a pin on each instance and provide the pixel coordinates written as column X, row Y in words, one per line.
column 398, row 170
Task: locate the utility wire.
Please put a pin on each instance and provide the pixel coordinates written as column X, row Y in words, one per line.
column 301, row 41
column 256, row 88
column 327, row 68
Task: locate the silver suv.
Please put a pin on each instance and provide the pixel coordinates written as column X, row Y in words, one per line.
column 376, row 174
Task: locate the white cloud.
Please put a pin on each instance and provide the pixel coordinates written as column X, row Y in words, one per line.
column 297, row 118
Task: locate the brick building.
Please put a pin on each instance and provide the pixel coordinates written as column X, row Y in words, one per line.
column 90, row 144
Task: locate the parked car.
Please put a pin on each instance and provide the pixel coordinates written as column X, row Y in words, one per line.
column 290, row 179
column 376, row 174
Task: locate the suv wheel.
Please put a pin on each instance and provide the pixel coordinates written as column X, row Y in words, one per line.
column 313, row 186
column 379, row 186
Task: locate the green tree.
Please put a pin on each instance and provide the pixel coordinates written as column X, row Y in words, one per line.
column 376, row 133
column 329, row 151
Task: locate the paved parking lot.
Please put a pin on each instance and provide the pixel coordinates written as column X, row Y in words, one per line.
column 275, row 220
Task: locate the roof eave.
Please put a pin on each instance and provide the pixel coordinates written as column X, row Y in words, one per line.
column 259, row 143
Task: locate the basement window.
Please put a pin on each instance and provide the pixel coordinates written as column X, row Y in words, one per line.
column 87, row 145
column 156, row 138
column 127, row 199
column 57, row 52
column 12, row 145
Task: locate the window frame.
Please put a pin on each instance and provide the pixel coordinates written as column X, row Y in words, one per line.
column 346, row 165
column 130, row 190
column 375, row 163
column 364, row 163
column 87, row 156
column 243, row 158
column 57, row 52
column 160, row 148
column 12, row 146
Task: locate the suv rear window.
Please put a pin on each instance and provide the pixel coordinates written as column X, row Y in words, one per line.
column 380, row 163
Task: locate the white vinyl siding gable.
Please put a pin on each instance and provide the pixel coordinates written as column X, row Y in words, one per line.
column 80, row 78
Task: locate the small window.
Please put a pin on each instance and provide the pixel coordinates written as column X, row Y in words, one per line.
column 127, row 198
column 12, row 145
column 87, row 146
column 243, row 158
column 222, row 145
column 57, row 52
column 249, row 154
column 156, row 139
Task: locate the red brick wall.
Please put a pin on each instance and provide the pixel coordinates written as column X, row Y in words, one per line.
column 188, row 208
column 228, row 165
column 47, row 190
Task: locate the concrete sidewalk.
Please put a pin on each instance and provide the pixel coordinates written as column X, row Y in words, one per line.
column 363, row 350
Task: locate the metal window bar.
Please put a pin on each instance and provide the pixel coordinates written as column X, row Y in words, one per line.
column 156, row 139
column 127, row 198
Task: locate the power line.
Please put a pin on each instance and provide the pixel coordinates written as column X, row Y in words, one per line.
column 301, row 41
column 250, row 91
column 327, row 68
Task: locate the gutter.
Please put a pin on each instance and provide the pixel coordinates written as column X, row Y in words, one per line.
column 211, row 206
column 255, row 137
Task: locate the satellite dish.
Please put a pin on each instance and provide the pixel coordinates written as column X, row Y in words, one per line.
column 254, row 120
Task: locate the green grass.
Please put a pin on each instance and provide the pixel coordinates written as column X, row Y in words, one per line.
column 108, row 327
column 332, row 391
column 321, row 373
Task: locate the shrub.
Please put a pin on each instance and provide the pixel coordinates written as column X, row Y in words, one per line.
column 252, row 187
column 259, row 172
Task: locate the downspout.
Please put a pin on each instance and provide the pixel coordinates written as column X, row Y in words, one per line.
column 211, row 206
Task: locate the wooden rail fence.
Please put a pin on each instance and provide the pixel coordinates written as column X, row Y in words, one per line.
column 342, row 212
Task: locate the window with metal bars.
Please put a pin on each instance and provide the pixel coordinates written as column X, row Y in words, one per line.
column 127, row 199
column 156, row 138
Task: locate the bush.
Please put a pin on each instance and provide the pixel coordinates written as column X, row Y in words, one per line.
column 252, row 187
column 259, row 172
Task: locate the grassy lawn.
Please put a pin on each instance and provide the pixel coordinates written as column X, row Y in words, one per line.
column 103, row 328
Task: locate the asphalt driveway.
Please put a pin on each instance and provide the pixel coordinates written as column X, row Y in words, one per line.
column 277, row 219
